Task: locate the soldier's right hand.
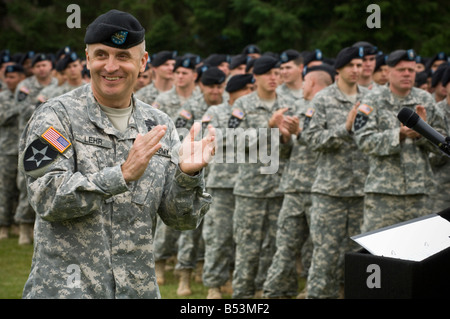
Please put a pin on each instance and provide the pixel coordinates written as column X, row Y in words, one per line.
column 144, row 147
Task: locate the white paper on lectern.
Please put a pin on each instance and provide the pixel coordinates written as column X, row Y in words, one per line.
column 414, row 240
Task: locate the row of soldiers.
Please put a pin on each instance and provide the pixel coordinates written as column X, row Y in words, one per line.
column 345, row 164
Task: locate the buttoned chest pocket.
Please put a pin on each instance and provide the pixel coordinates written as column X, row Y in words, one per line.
column 94, row 153
column 336, row 115
column 258, row 118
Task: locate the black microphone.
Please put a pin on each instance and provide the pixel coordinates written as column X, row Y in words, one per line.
column 412, row 120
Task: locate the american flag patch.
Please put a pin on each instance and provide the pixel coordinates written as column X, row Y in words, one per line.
column 186, row 114
column 56, row 139
column 238, row 113
column 309, row 112
column 365, row 109
column 206, row 118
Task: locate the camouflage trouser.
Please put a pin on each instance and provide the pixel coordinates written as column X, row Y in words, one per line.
column 191, row 248
column 165, row 242
column 254, row 232
column 333, row 221
column 292, row 236
column 218, row 237
column 381, row 210
column 24, row 212
column 9, row 193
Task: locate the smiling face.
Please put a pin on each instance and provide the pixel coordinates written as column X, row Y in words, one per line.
column 114, row 72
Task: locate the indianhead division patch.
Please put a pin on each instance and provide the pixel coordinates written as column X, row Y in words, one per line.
column 38, row 155
column 360, row 121
column 59, row 142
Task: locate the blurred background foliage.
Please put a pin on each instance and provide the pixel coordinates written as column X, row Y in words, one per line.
column 227, row 26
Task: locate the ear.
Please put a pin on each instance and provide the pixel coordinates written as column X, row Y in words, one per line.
column 144, row 60
column 87, row 59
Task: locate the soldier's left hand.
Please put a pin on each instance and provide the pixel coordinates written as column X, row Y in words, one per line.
column 194, row 155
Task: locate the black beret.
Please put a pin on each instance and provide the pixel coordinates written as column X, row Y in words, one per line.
column 437, row 75
column 28, row 55
column 14, row 68
column 188, row 62
column 62, row 64
column 63, row 51
column 238, row 60
column 446, row 77
column 213, row 75
column 369, row 48
column 346, row 55
column 380, row 61
column 309, row 56
column 420, row 59
column 116, row 29
column 264, row 64
column 400, row 55
column 323, row 67
column 250, row 49
column 216, row 59
column 289, row 55
column 421, row 78
column 5, row 58
column 200, row 69
column 41, row 57
column 238, row 82
column 161, row 57
column 250, row 64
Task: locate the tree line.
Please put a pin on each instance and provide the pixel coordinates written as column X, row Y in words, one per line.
column 227, row 26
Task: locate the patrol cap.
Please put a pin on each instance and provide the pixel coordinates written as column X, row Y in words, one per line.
column 436, row 77
column 116, row 29
column 369, row 48
column 446, row 77
column 346, row 55
column 186, row 62
column 213, row 75
column 309, row 56
column 41, row 57
column 238, row 60
column 323, row 67
column 161, row 57
column 289, row 55
column 400, row 55
column 264, row 64
column 238, row 82
column 14, row 68
column 250, row 49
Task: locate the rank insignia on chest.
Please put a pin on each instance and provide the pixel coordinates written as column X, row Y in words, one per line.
column 150, row 124
column 54, row 138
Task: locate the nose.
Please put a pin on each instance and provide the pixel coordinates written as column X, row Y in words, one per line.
column 111, row 65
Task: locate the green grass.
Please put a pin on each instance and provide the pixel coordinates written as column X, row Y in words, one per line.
column 15, row 262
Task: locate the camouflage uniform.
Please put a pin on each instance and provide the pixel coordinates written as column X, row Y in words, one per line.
column 191, row 246
column 169, row 102
column 293, row 221
column 55, row 90
column 218, row 223
column 284, row 90
column 440, row 198
column 9, row 140
column 337, row 191
column 400, row 176
column 258, row 200
column 26, row 96
column 147, row 94
column 94, row 232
